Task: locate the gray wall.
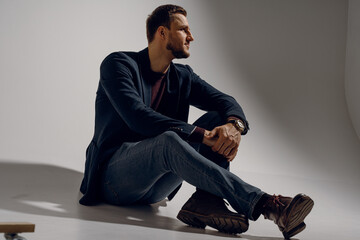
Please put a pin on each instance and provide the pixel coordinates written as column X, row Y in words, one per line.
column 284, row 61
column 352, row 74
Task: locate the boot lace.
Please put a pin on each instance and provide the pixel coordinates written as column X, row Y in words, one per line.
column 274, row 200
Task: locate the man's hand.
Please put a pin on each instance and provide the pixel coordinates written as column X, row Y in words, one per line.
column 224, row 140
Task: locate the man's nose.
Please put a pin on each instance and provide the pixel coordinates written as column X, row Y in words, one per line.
column 190, row 37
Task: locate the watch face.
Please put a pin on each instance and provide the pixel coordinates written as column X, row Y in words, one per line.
column 240, row 124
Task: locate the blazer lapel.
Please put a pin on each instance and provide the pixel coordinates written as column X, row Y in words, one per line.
column 144, row 63
column 173, row 88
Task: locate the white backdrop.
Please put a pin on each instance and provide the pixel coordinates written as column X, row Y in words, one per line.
column 284, row 61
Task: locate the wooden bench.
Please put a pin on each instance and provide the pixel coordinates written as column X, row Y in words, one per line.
column 11, row 229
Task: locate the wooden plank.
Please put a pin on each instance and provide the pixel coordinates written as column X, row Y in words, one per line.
column 16, row 227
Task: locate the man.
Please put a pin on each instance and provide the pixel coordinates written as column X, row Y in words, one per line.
column 143, row 147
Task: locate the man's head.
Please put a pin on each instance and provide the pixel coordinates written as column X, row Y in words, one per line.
column 169, row 25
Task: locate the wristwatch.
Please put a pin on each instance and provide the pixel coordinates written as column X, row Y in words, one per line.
column 237, row 124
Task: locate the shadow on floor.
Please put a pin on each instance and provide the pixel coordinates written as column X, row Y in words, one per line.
column 54, row 191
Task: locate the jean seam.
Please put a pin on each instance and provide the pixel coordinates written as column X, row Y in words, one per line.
column 210, row 176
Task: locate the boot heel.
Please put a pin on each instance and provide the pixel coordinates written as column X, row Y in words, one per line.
column 294, row 231
column 190, row 220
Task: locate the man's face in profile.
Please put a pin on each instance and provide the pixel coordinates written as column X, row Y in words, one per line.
column 179, row 37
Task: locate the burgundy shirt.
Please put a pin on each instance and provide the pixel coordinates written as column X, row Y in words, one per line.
column 158, row 85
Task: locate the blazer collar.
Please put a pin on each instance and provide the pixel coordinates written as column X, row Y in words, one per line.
column 144, row 62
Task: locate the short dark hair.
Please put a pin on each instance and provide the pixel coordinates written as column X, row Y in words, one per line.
column 161, row 16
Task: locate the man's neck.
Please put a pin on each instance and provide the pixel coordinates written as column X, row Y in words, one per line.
column 159, row 59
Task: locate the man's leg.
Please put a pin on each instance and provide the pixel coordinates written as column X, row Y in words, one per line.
column 204, row 208
column 136, row 168
column 288, row 213
column 132, row 177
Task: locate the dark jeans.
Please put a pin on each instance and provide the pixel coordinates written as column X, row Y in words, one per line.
column 149, row 170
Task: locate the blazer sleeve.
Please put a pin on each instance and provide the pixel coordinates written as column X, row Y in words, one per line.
column 206, row 97
column 117, row 79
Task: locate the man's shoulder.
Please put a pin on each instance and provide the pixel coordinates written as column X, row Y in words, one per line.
column 122, row 56
column 183, row 68
column 125, row 60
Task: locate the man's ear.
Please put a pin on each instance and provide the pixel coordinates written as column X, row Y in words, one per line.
column 162, row 32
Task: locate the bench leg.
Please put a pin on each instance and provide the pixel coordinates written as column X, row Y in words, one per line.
column 13, row 236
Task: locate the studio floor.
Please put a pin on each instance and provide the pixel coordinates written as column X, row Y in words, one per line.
column 48, row 196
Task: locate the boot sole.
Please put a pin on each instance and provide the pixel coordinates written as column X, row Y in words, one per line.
column 294, row 231
column 299, row 208
column 231, row 225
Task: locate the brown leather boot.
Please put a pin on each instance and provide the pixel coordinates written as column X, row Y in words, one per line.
column 206, row 209
column 288, row 213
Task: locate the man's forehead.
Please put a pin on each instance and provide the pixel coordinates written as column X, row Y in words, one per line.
column 179, row 20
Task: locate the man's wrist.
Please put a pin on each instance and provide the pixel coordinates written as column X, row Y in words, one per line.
column 197, row 135
column 207, row 140
column 238, row 124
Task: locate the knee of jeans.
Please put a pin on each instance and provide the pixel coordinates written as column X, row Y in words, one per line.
column 171, row 137
column 169, row 141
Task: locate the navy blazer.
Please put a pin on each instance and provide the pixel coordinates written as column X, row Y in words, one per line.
column 123, row 113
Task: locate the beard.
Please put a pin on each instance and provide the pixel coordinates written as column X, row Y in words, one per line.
column 177, row 51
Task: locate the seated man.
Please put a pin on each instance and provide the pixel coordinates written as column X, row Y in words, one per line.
column 143, row 147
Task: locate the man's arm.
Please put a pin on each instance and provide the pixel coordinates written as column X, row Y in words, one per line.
column 224, row 139
column 206, row 97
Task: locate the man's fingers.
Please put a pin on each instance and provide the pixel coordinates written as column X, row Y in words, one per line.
column 217, row 146
column 229, row 149
column 213, row 133
column 227, row 140
column 232, row 155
